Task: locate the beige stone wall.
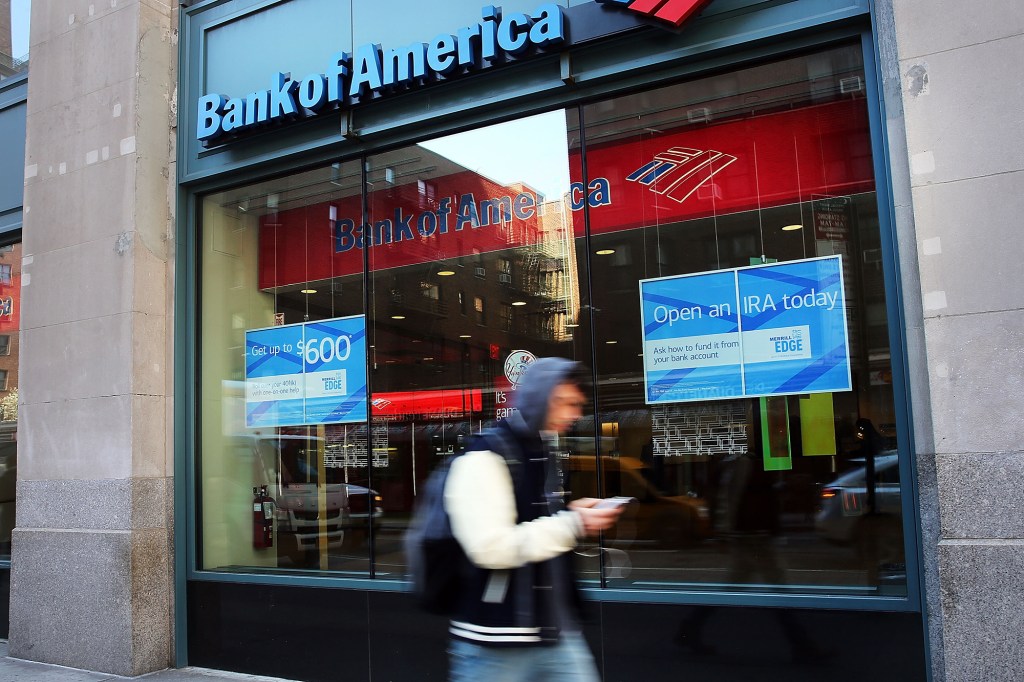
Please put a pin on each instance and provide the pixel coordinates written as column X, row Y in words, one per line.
column 91, row 581
column 959, row 203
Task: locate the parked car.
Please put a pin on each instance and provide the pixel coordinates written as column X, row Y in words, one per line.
column 657, row 519
column 844, row 502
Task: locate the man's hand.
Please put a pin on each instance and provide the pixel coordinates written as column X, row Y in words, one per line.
column 595, row 520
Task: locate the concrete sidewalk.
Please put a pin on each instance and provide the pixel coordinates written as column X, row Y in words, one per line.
column 17, row 670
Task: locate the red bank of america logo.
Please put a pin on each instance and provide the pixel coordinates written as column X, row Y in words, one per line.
column 679, row 172
column 673, row 11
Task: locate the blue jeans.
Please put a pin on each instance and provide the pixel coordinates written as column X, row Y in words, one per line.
column 568, row 661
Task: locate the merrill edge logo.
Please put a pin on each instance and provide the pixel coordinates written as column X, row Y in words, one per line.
column 675, row 12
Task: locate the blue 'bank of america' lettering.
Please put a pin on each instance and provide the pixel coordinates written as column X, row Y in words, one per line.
column 372, row 71
column 467, row 211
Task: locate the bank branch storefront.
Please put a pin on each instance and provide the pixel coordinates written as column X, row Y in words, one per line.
column 389, row 209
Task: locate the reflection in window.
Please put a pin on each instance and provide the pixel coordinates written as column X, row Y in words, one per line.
column 14, row 36
column 10, row 310
column 791, row 492
column 478, row 309
column 785, row 492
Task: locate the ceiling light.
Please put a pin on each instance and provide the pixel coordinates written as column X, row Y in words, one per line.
column 465, row 336
column 791, row 228
column 307, row 291
column 605, row 252
column 445, row 273
column 518, row 302
column 611, row 342
column 398, row 317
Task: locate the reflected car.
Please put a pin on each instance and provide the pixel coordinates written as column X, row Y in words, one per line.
column 360, row 501
column 298, row 515
column 655, row 518
column 843, row 503
column 346, row 509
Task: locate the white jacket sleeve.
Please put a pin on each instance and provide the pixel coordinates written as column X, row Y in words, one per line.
column 480, row 502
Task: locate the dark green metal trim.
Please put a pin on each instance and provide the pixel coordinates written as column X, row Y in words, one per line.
column 847, row 22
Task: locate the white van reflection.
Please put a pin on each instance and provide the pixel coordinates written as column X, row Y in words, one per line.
column 304, row 507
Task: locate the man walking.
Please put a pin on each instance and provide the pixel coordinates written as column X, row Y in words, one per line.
column 518, row 615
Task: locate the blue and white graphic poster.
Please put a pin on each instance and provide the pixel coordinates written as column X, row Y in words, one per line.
column 794, row 327
column 691, row 337
column 335, row 370
column 273, row 376
column 764, row 330
column 310, row 373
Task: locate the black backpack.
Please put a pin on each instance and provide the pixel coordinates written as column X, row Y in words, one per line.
column 433, row 556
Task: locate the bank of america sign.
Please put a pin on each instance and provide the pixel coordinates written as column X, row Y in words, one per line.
column 371, row 71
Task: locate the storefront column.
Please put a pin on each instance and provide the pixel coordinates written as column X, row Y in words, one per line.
column 92, row 558
column 967, row 355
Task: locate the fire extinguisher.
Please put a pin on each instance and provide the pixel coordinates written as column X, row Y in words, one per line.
column 262, row 518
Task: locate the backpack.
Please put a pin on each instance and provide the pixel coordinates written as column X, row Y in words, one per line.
column 433, row 556
column 434, row 559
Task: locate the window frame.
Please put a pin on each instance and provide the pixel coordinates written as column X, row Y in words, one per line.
column 189, row 372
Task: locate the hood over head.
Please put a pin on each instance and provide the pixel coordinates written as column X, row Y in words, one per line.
column 538, row 381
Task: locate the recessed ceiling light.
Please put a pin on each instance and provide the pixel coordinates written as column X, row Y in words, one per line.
column 445, row 273
column 611, row 342
column 307, row 291
column 605, row 252
column 791, row 228
column 398, row 317
column 465, row 336
column 518, row 302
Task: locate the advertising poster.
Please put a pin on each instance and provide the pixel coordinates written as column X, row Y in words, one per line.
column 691, row 338
column 764, row 330
column 304, row 374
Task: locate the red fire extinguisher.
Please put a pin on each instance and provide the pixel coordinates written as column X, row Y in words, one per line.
column 262, row 518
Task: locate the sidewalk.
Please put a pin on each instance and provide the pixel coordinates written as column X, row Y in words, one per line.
column 17, row 670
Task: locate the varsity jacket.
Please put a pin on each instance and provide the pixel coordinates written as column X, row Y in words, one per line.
column 503, row 499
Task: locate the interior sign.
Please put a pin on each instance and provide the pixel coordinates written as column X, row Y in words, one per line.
column 764, row 330
column 371, row 71
column 308, row 373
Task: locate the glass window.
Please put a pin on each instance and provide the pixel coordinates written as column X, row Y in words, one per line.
column 755, row 429
column 14, row 23
column 282, row 264
column 478, row 308
column 707, row 184
column 10, row 311
column 443, row 376
column 284, row 454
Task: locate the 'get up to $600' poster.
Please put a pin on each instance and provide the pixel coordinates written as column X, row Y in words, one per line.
column 308, row 373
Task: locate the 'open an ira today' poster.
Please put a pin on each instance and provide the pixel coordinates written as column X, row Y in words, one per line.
column 773, row 329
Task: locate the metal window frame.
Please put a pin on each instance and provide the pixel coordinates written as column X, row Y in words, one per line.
column 639, row 72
